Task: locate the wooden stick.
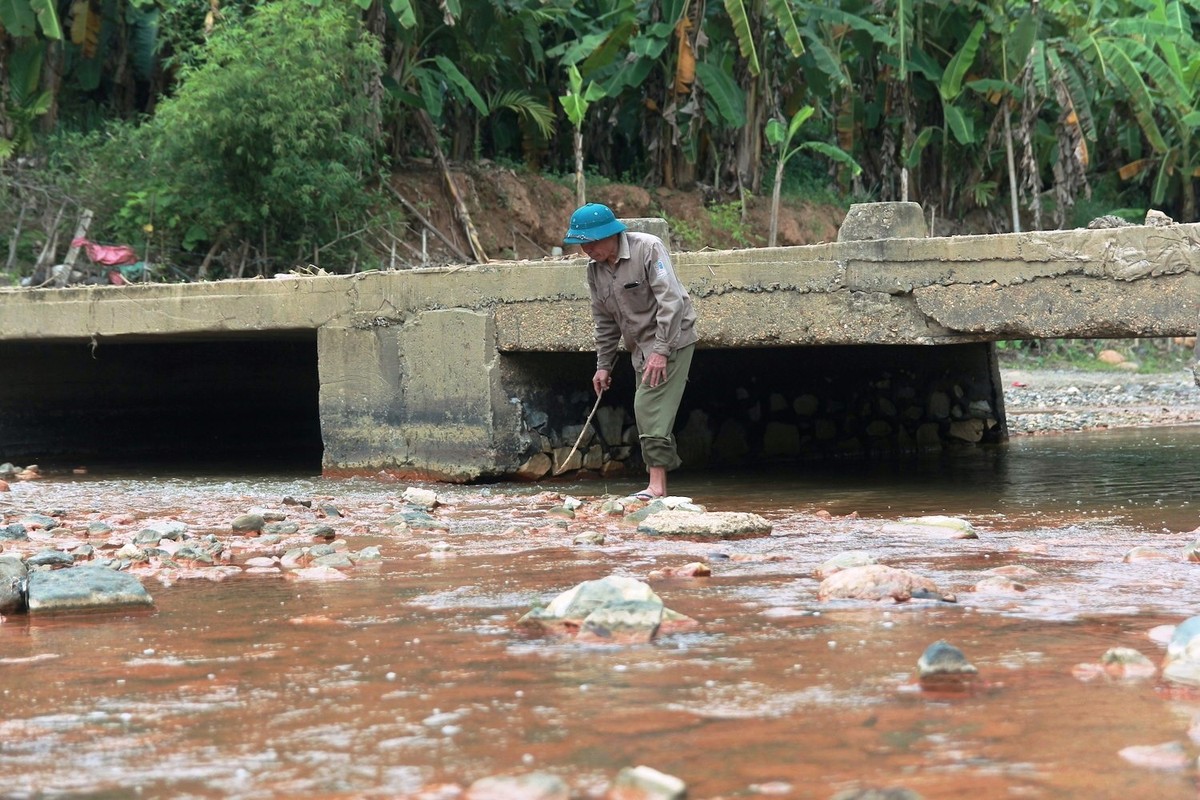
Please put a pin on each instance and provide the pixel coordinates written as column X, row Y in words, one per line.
column 412, row 210
column 531, row 241
column 460, row 207
column 586, row 424
column 85, row 222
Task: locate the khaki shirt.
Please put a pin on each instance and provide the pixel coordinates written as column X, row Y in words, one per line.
column 641, row 301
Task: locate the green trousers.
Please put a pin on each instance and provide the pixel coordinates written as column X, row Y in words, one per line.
column 655, row 408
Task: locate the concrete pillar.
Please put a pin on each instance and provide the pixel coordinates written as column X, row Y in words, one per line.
column 422, row 398
column 866, row 221
column 655, row 225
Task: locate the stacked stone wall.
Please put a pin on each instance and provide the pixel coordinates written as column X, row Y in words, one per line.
column 770, row 405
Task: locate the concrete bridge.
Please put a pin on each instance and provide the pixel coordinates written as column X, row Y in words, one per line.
column 877, row 344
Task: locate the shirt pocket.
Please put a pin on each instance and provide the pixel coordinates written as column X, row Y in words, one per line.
column 638, row 297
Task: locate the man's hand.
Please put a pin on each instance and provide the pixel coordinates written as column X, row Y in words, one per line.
column 601, row 381
column 655, row 371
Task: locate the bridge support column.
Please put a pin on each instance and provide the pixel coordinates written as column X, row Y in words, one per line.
column 420, row 398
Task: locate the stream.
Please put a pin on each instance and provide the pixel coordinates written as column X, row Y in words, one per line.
column 410, row 679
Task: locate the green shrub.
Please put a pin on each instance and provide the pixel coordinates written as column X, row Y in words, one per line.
column 269, row 141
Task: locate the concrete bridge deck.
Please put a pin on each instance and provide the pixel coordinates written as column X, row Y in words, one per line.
column 427, row 372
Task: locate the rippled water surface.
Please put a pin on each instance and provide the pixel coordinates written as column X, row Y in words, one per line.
column 409, row 678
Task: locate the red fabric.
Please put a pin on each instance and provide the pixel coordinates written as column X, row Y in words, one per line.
column 109, row 254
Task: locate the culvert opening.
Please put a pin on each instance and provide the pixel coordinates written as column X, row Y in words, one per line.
column 187, row 404
column 747, row 407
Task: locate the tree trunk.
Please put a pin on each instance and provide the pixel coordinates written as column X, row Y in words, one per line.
column 52, row 71
column 1012, row 171
column 580, row 178
column 749, row 151
column 775, row 202
column 6, row 124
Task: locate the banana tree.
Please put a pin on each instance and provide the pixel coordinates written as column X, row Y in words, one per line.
column 955, row 121
column 752, row 28
column 781, row 137
column 26, row 29
column 576, row 102
column 1160, row 46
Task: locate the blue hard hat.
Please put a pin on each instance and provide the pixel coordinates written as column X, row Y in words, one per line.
column 591, row 223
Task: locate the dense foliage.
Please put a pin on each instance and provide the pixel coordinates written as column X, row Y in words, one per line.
column 257, row 131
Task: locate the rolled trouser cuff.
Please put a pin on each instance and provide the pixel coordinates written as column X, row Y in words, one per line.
column 659, row 452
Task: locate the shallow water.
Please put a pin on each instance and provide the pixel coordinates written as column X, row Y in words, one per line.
column 410, row 679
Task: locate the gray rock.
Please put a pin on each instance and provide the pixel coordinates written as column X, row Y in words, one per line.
column 98, row 528
column 612, row 507
column 421, row 499
column 280, row 528
column 1182, row 661
column 85, row 588
column 269, row 514
column 174, row 530
column 934, row 526
column 320, row 532
column 648, row 510
column 16, row 532
column 534, row 786
column 191, row 554
column 711, row 525
column 248, row 524
column 371, row 553
column 611, row 421
column 1125, row 662
column 846, row 560
column 148, row 536
column 645, row 783
column 943, row 662
column 890, row 793
column 415, row 520
column 589, row 537
column 335, row 560
column 50, row 558
column 875, row 582
column 623, row 623
column 38, row 521
column 13, row 577
column 629, row 598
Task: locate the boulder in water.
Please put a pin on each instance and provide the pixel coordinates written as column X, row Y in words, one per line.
column 877, row 582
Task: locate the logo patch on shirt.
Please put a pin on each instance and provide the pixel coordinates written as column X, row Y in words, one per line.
column 661, row 267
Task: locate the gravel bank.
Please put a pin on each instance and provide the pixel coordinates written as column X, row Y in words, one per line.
column 1054, row 401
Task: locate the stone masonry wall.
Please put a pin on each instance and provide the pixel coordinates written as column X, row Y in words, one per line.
column 771, row 405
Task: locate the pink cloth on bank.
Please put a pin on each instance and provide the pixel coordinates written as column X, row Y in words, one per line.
column 109, row 254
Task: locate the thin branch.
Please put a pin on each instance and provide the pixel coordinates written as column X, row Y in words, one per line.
column 412, row 210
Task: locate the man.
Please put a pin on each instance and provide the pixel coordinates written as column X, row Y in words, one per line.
column 636, row 297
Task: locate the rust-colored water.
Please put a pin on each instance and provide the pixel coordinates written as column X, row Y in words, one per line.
column 411, row 675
